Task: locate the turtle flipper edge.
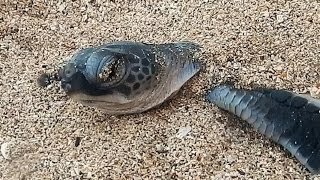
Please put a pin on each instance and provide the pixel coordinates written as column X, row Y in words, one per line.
column 289, row 119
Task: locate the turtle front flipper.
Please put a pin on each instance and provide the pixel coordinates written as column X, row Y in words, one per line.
column 289, row 119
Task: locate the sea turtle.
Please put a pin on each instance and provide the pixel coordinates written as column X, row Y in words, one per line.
column 291, row 120
column 126, row 77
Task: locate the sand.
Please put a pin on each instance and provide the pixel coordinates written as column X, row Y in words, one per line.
column 46, row 135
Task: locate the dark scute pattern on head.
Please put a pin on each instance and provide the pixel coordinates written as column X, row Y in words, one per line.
column 289, row 120
column 126, row 90
column 131, row 78
column 145, row 71
column 140, row 77
column 140, row 64
column 145, row 62
column 135, row 68
column 148, row 78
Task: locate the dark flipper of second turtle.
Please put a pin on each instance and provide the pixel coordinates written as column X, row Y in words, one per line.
column 287, row 118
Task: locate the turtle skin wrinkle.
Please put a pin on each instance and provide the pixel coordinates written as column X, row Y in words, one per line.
column 289, row 119
column 127, row 77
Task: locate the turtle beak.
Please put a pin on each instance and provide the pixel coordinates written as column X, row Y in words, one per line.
column 66, row 86
column 74, row 84
column 66, row 78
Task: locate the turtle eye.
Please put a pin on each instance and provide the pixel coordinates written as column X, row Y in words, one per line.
column 112, row 73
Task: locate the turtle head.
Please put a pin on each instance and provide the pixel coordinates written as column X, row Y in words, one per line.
column 92, row 72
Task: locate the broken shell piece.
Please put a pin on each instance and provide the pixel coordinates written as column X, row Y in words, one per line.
column 183, row 131
column 5, row 150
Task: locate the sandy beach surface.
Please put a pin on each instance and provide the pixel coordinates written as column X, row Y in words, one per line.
column 46, row 135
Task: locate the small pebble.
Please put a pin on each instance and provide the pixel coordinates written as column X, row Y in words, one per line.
column 77, row 142
column 160, row 148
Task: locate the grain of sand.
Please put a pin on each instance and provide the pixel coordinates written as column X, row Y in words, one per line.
column 45, row 135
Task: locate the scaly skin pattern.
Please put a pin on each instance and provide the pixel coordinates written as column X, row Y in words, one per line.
column 289, row 119
column 127, row 77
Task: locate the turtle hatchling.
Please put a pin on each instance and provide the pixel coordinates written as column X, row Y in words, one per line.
column 126, row 77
